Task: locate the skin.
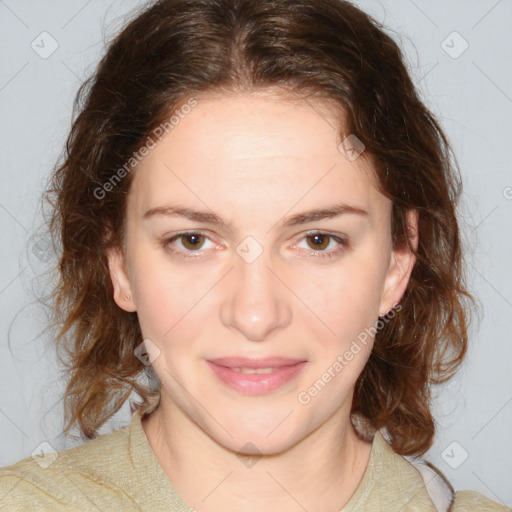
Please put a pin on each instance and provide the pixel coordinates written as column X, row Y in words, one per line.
column 256, row 159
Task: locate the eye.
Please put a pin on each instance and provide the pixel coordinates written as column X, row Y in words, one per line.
column 190, row 244
column 318, row 242
column 190, row 241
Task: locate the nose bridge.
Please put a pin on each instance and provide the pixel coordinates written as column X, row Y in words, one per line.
column 255, row 305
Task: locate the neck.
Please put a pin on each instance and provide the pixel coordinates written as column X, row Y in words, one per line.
column 321, row 472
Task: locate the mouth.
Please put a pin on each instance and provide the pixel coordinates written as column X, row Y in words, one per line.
column 256, row 376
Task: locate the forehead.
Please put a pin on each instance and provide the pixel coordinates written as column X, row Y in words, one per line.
column 256, row 147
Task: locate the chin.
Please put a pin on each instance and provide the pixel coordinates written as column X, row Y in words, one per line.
column 270, row 437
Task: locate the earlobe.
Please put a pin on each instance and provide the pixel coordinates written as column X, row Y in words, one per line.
column 400, row 269
column 123, row 296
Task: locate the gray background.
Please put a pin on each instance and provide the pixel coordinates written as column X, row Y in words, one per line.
column 470, row 92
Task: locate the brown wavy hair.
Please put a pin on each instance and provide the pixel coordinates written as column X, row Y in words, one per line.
column 174, row 50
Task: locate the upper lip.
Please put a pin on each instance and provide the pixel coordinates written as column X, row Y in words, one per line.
column 244, row 362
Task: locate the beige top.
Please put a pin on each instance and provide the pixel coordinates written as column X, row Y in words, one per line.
column 119, row 472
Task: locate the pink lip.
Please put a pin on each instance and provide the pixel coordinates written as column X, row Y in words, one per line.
column 285, row 369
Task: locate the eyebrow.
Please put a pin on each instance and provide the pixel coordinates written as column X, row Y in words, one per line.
column 208, row 217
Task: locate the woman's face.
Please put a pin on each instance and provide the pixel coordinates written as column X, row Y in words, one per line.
column 266, row 278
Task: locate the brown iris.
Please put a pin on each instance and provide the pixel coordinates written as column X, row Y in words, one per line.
column 192, row 241
column 320, row 241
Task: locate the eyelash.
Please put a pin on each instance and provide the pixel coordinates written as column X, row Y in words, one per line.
column 343, row 244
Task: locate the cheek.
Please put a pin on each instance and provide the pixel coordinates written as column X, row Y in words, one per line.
column 169, row 301
column 346, row 298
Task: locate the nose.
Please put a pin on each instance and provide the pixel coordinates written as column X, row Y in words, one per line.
column 256, row 304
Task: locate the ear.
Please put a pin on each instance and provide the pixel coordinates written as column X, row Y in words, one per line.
column 400, row 267
column 121, row 283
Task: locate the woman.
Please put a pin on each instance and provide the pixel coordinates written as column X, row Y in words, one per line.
column 258, row 230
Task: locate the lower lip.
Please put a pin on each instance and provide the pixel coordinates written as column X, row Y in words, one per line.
column 257, row 383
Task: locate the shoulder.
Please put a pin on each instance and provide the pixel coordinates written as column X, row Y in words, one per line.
column 471, row 501
column 390, row 482
column 412, row 484
column 80, row 478
column 446, row 499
